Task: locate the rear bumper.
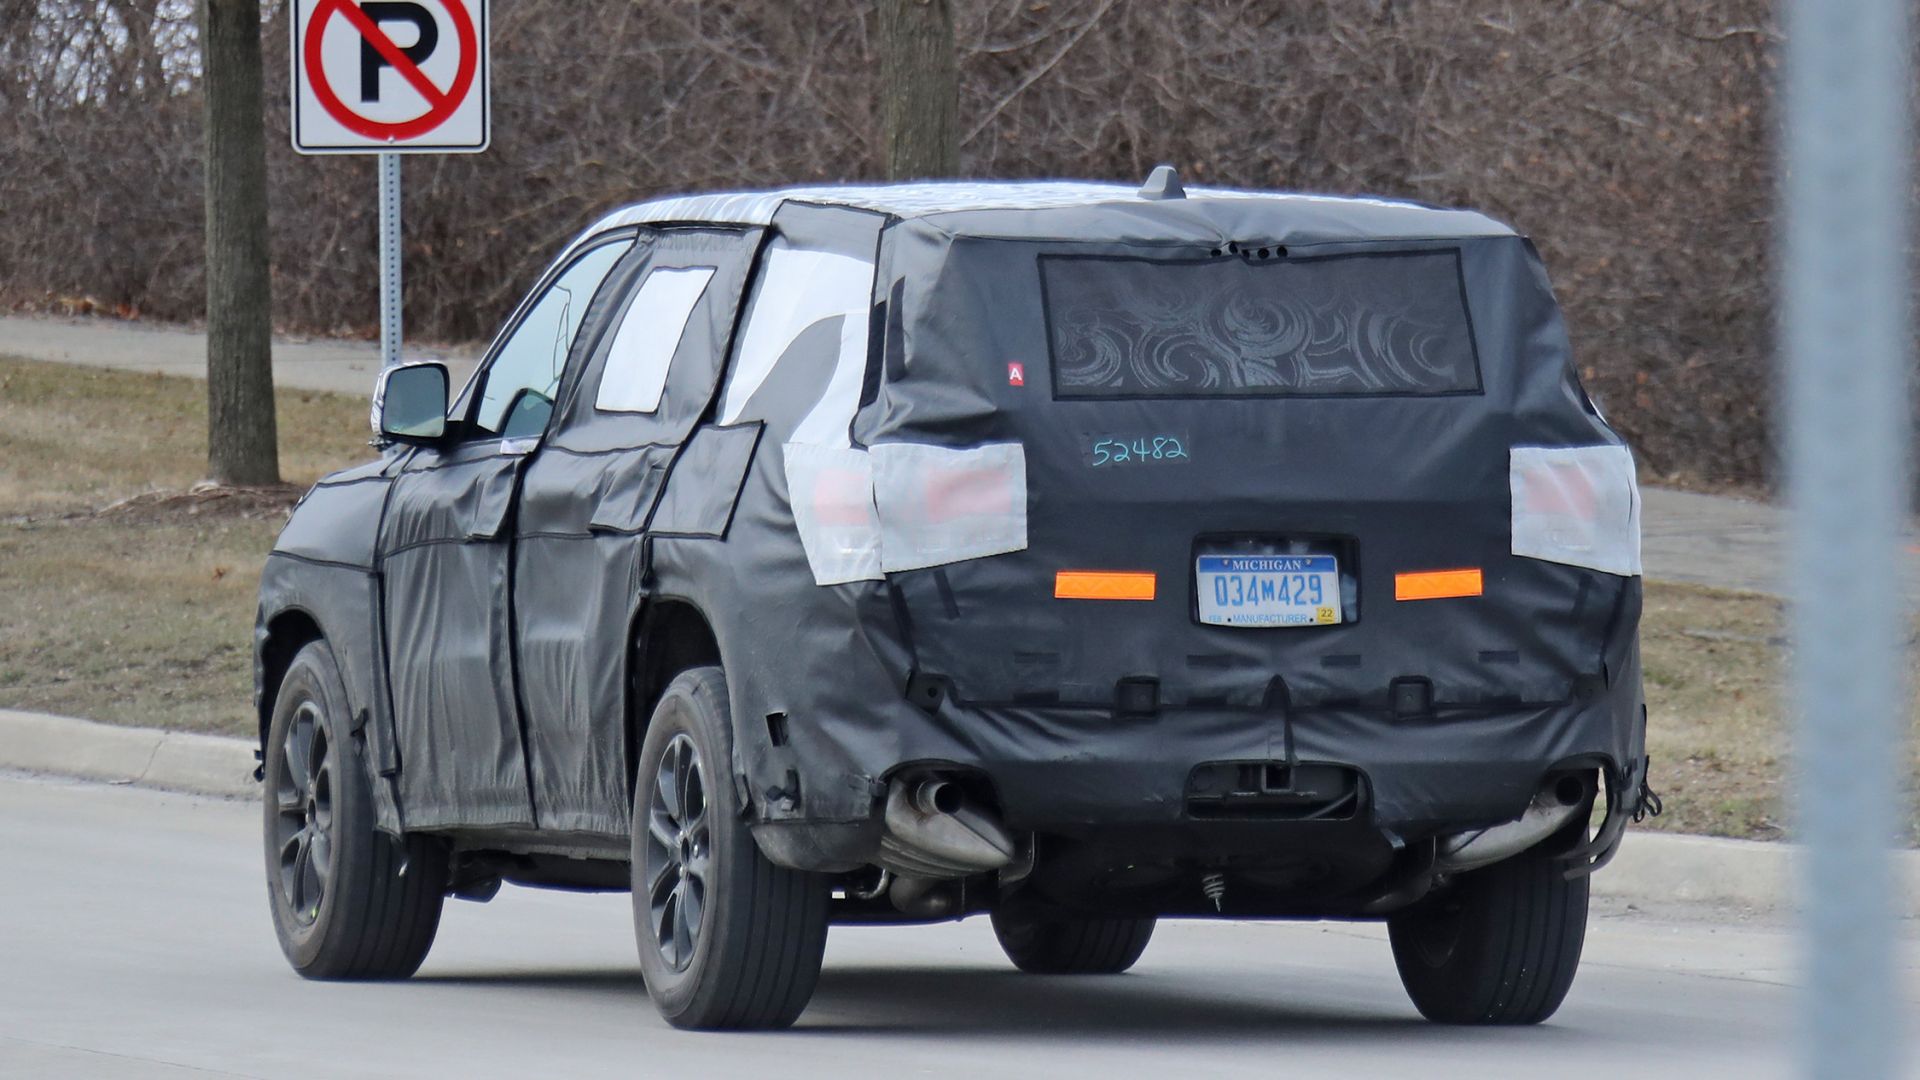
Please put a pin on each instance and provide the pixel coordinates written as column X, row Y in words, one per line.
column 1421, row 775
column 1065, row 770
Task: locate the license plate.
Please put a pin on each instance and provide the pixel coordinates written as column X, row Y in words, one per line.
column 1268, row 590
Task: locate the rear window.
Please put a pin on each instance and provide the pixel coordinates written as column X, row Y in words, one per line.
column 1369, row 323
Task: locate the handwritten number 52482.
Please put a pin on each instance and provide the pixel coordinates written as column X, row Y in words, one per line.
column 1136, row 450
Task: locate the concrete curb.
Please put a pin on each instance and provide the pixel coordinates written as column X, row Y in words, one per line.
column 1652, row 868
column 173, row 760
column 1758, row 875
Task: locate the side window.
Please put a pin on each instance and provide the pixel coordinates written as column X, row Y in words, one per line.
column 525, row 373
column 649, row 335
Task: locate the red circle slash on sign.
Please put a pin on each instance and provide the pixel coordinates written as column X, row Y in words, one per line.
column 440, row 103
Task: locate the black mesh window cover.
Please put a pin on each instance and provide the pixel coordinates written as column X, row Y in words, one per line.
column 1370, row 323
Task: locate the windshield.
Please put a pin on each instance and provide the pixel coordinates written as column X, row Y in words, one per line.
column 1236, row 326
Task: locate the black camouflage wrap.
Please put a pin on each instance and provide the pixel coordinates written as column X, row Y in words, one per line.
column 482, row 604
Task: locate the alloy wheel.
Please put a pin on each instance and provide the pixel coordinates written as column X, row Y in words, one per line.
column 677, row 853
column 304, row 822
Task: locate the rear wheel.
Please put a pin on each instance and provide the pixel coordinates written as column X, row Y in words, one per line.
column 1499, row 947
column 349, row 902
column 727, row 939
column 1041, row 940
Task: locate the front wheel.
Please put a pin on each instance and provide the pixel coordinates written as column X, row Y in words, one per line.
column 727, row 939
column 349, row 902
column 1499, row 947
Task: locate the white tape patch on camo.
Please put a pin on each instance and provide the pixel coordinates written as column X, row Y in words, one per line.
column 941, row 505
column 797, row 289
column 831, row 489
column 1577, row 505
column 649, row 335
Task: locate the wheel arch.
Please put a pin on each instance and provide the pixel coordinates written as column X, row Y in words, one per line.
column 281, row 639
column 668, row 635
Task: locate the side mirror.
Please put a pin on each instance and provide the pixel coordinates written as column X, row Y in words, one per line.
column 410, row 402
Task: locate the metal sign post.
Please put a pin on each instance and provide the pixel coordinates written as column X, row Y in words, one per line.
column 390, row 78
column 1845, row 342
column 390, row 308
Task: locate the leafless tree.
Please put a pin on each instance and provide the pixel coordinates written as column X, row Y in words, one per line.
column 919, row 88
column 242, row 446
column 1630, row 138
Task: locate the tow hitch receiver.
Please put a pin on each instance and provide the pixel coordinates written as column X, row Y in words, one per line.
column 1272, row 790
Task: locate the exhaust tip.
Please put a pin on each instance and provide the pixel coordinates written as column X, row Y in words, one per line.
column 933, row 830
column 1571, row 789
column 938, row 797
column 1557, row 802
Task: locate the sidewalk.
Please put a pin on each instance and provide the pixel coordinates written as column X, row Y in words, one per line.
column 1726, row 542
column 345, row 367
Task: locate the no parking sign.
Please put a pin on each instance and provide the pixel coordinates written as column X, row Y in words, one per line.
column 384, row 76
column 390, row 77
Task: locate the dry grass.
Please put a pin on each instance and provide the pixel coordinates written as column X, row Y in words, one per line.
column 1714, row 661
column 121, row 597
column 76, row 438
column 145, row 624
column 143, row 614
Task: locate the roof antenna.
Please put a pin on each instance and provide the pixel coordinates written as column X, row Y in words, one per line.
column 1163, row 183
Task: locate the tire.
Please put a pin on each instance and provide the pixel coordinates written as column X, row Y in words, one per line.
column 727, row 939
column 349, row 902
column 1047, row 941
column 1499, row 947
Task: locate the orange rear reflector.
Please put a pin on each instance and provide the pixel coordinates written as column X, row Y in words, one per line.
column 1103, row 585
column 1436, row 584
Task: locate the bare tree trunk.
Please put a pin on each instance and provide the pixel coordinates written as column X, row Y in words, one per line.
column 919, row 88
column 242, row 443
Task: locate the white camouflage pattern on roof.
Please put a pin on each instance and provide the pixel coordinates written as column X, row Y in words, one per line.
column 919, row 200
column 757, row 208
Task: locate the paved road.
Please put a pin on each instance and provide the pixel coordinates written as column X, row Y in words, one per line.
column 346, row 367
column 134, row 942
column 1706, row 539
